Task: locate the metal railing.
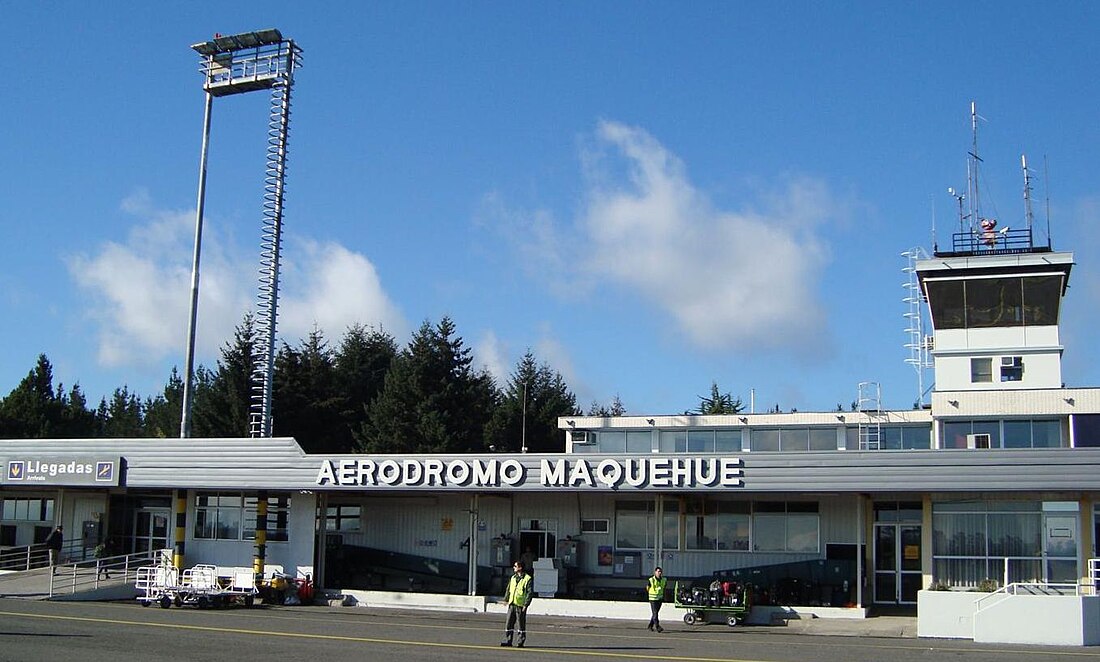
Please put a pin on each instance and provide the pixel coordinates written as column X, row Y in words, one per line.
column 17, row 559
column 29, row 557
column 1025, row 589
column 30, row 565
column 69, row 578
column 994, row 242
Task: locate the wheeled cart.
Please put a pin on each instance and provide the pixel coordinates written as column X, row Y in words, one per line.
column 202, row 586
column 728, row 601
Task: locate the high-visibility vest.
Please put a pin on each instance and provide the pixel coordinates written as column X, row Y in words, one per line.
column 656, row 588
column 519, row 590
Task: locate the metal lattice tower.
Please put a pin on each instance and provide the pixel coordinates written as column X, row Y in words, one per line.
column 236, row 64
column 918, row 344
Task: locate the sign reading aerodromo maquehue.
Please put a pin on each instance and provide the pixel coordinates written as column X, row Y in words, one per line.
column 545, row 473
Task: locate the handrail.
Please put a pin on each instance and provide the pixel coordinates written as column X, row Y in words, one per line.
column 26, row 557
column 29, row 557
column 1029, row 588
column 88, row 575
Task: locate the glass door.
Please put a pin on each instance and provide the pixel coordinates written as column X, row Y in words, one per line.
column 897, row 563
column 1060, row 547
column 151, row 530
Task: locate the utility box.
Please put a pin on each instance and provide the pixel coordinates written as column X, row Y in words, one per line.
column 500, row 552
column 569, row 552
column 627, row 564
column 549, row 577
column 90, row 534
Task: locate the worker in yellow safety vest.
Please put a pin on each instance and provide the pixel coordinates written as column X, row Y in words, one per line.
column 518, row 596
column 655, row 590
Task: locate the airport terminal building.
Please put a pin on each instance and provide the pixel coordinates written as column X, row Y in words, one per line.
column 999, row 479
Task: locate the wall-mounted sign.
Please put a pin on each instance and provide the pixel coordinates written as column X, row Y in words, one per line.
column 682, row 473
column 62, row 471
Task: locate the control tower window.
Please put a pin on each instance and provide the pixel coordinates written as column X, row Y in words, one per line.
column 1042, row 295
column 994, row 302
column 948, row 304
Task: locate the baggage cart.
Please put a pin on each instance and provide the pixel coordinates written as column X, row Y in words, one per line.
column 721, row 600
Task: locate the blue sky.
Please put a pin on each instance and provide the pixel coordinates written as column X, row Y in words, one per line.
column 648, row 195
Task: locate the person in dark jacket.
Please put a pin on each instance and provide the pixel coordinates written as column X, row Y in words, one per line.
column 53, row 545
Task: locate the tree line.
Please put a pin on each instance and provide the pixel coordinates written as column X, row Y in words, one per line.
column 366, row 395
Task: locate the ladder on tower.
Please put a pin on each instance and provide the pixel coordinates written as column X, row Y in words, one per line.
column 869, row 403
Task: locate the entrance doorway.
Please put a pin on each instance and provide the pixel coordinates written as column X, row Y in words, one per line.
column 897, row 552
column 1060, row 541
column 151, row 529
column 537, row 540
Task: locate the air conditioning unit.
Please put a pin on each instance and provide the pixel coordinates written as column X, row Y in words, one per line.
column 579, row 437
column 977, row 440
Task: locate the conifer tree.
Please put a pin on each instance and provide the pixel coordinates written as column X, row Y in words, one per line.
column 432, row 401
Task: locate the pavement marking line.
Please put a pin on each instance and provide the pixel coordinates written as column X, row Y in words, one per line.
column 846, row 641
column 429, row 644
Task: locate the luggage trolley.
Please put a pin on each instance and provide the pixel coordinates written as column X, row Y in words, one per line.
column 157, row 583
column 200, row 586
column 729, row 600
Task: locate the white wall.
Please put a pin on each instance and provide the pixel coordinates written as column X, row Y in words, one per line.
column 1041, row 370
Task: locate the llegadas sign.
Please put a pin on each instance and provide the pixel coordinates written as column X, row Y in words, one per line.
column 62, row 471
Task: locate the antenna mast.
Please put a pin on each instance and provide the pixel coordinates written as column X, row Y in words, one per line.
column 1046, row 192
column 1028, row 216
column 972, row 168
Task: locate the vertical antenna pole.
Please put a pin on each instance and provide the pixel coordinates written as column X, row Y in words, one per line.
column 1027, row 192
column 188, row 378
column 1046, row 192
column 972, row 173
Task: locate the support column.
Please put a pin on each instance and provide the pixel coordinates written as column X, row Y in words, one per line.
column 261, row 536
column 320, row 540
column 861, row 531
column 926, row 542
column 472, row 541
column 181, row 529
column 658, row 533
column 1084, row 552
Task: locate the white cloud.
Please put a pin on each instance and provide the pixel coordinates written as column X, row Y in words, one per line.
column 500, row 359
column 549, row 350
column 334, row 288
column 137, row 292
column 492, row 354
column 730, row 279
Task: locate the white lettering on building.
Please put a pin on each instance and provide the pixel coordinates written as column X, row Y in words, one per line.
column 565, row 473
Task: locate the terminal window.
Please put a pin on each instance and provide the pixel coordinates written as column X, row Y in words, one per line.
column 981, row 370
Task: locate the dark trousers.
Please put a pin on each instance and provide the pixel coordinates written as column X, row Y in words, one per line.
column 654, row 610
column 516, row 613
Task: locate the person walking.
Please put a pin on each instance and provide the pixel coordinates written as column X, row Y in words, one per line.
column 518, row 596
column 655, row 590
column 53, row 546
column 104, row 551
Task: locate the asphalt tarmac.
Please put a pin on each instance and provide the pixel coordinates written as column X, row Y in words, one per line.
column 114, row 632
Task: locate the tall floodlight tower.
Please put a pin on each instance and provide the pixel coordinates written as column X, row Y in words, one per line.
column 235, row 64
